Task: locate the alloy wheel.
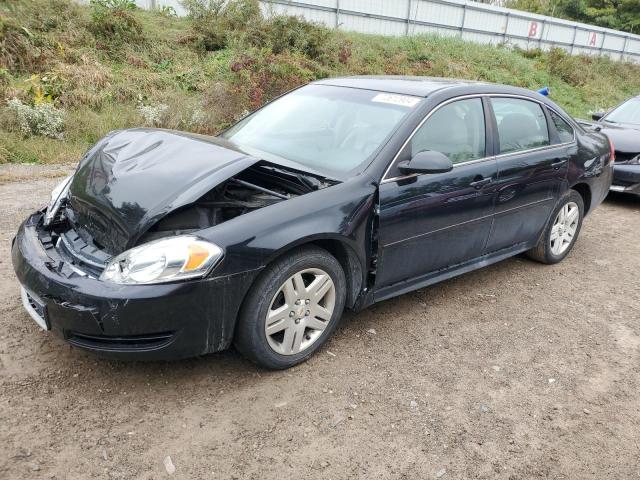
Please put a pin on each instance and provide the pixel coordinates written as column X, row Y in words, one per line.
column 564, row 228
column 300, row 311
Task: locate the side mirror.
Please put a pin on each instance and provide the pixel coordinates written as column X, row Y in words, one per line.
column 597, row 116
column 426, row 161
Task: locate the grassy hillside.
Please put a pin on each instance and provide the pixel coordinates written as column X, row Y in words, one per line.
column 70, row 73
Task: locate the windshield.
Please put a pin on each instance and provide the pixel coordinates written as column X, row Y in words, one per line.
column 325, row 128
column 628, row 112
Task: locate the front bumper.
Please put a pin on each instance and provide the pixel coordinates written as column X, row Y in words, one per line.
column 136, row 322
column 626, row 179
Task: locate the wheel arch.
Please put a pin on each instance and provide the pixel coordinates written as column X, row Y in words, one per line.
column 337, row 246
column 340, row 248
column 351, row 265
column 585, row 192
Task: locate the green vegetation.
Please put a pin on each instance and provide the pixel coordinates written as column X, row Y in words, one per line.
column 617, row 14
column 77, row 72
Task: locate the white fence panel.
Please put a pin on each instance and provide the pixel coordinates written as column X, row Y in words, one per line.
column 311, row 14
column 439, row 14
column 612, row 42
column 484, row 21
column 559, row 34
column 384, row 8
column 321, row 3
column 418, row 29
column 523, row 28
column 362, row 24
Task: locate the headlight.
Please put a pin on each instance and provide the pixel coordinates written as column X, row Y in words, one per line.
column 164, row 260
column 58, row 194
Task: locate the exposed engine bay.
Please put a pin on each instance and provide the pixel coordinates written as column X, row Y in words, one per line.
column 255, row 188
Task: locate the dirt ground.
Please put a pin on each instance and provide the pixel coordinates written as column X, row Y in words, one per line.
column 516, row 371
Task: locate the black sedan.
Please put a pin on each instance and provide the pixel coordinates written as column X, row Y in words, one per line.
column 340, row 194
column 622, row 126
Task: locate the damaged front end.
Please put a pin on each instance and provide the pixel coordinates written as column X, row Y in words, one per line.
column 121, row 197
column 136, row 191
column 61, row 291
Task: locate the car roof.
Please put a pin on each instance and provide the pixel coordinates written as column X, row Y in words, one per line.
column 404, row 85
column 424, row 86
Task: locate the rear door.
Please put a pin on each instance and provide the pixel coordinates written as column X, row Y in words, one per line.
column 430, row 222
column 532, row 164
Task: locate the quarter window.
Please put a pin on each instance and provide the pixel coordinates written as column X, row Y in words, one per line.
column 565, row 132
column 456, row 129
column 521, row 124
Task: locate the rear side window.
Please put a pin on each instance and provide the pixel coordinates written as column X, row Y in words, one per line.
column 521, row 124
column 565, row 131
column 456, row 129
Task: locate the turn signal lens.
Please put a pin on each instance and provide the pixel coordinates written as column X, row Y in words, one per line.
column 165, row 260
column 197, row 256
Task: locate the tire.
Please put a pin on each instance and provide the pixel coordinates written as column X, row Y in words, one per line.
column 275, row 293
column 548, row 251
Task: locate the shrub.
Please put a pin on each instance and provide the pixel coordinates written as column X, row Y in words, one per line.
column 115, row 4
column 215, row 22
column 40, row 119
column 198, row 121
column 44, row 88
column 16, row 51
column 576, row 70
column 167, row 11
column 154, row 115
column 223, row 105
column 5, row 78
column 189, row 80
column 296, row 34
column 529, row 53
column 84, row 84
column 258, row 76
column 239, row 24
column 113, row 22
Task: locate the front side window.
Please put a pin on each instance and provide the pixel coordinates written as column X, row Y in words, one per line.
column 522, row 124
column 565, row 131
column 456, row 129
column 326, row 128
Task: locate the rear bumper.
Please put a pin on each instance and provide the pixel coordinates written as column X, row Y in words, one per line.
column 137, row 322
column 626, row 179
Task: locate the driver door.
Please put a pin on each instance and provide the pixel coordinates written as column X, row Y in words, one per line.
column 431, row 222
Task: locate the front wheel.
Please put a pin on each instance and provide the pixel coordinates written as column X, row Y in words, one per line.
column 562, row 231
column 292, row 309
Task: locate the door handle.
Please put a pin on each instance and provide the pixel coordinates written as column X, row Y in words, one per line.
column 558, row 163
column 478, row 184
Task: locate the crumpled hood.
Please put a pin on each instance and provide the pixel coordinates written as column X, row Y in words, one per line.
column 132, row 178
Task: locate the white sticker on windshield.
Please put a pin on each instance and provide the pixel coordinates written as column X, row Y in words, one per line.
column 394, row 99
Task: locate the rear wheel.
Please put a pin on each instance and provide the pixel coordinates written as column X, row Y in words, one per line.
column 292, row 309
column 562, row 231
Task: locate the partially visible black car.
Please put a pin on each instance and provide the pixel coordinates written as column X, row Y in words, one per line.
column 622, row 126
column 339, row 194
